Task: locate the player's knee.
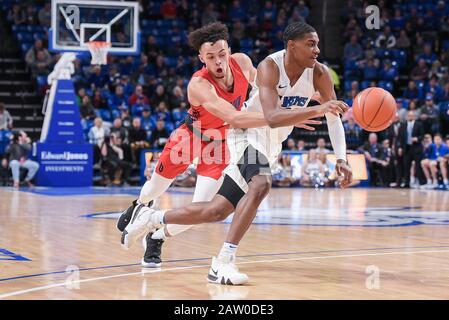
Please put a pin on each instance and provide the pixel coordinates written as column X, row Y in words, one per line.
column 216, row 213
column 260, row 187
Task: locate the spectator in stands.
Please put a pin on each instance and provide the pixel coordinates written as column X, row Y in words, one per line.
column 403, row 41
column 44, row 15
column 386, row 163
column 386, row 40
column 236, row 12
column 118, row 99
column 98, row 101
column 444, row 96
column 147, row 121
column 430, row 115
column 436, row 70
column 411, row 92
column 428, row 56
column 291, row 144
column 410, row 137
column 98, row 132
column 372, row 151
column 31, row 15
column 16, row 15
column 137, row 139
column 421, row 71
column 433, row 88
column 413, row 106
column 87, row 111
column 371, row 70
column 125, row 117
column 209, row 14
column 160, row 135
column 397, row 23
column 138, row 93
column 111, row 79
column 112, row 156
column 96, row 78
column 388, row 72
column 138, row 107
column 312, row 171
column 168, row 9
column 5, row 118
column 37, row 57
column 178, row 99
column 125, row 83
column 301, row 145
column 352, row 132
column 302, row 10
column 401, row 112
column 183, row 10
column 119, row 131
column 17, row 154
column 41, row 66
column 321, row 146
column 159, row 95
column 353, row 50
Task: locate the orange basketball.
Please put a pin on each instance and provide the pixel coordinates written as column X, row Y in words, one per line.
column 374, row 109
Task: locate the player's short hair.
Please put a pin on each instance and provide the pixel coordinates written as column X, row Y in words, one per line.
column 296, row 31
column 208, row 33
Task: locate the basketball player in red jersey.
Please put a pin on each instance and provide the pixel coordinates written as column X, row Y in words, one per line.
column 216, row 94
column 286, row 82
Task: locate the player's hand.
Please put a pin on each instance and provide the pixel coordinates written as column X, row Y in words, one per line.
column 344, row 173
column 305, row 124
column 336, row 107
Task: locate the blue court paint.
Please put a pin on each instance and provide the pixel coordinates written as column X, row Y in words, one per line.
column 400, row 216
column 205, row 259
column 8, row 255
column 95, row 191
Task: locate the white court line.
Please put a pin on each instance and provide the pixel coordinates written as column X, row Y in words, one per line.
column 16, row 293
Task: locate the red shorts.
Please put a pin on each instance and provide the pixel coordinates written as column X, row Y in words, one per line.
column 183, row 147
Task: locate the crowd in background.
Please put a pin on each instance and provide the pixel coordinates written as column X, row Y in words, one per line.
column 134, row 103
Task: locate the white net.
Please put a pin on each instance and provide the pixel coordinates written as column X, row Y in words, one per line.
column 99, row 51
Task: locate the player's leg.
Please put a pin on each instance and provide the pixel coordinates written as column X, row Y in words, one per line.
column 425, row 165
column 15, row 169
column 205, row 190
column 434, row 171
column 167, row 168
column 443, row 168
column 257, row 174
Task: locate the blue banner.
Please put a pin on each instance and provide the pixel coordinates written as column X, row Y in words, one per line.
column 65, row 165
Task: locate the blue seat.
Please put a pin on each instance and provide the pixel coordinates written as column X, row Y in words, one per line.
column 104, row 114
column 387, row 85
column 365, row 84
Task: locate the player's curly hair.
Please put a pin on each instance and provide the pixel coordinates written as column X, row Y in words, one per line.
column 208, row 33
column 296, row 31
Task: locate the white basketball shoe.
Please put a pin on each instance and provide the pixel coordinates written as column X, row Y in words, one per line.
column 226, row 273
column 143, row 220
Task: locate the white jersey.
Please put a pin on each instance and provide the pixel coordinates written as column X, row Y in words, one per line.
column 268, row 140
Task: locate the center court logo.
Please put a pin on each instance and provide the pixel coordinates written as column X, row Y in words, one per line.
column 363, row 217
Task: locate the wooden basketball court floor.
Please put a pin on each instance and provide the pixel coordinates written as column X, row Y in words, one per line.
column 304, row 244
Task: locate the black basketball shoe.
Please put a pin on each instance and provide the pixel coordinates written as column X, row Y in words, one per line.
column 152, row 255
column 126, row 215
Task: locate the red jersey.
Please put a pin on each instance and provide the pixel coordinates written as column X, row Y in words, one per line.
column 236, row 98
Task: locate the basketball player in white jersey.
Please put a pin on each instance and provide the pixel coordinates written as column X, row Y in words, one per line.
column 216, row 94
column 286, row 81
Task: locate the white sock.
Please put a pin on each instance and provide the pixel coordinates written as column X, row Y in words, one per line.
column 205, row 190
column 227, row 252
column 446, row 181
column 429, row 181
column 153, row 188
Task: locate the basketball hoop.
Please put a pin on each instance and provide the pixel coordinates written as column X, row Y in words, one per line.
column 99, row 51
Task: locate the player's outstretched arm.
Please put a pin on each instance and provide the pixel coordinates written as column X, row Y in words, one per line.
column 201, row 92
column 322, row 82
column 267, row 79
